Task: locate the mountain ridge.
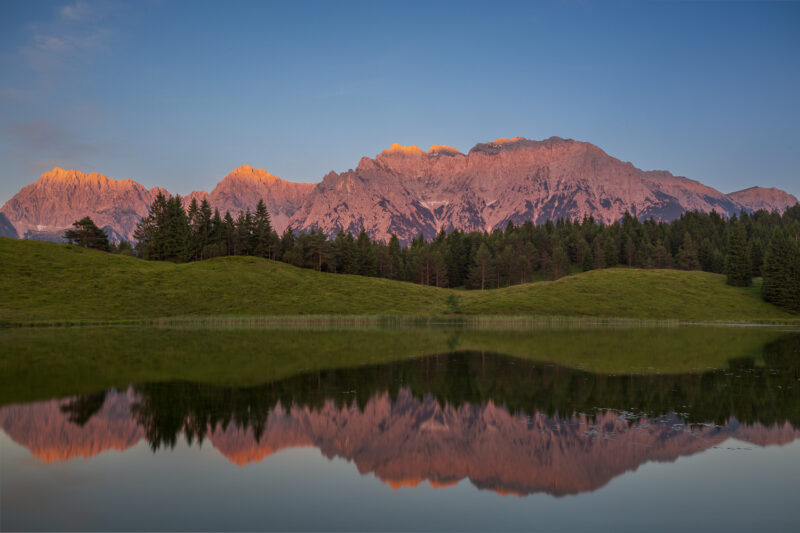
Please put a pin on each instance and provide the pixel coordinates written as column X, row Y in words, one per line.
column 407, row 191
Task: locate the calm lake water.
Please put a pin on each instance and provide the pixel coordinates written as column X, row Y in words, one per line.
column 403, row 429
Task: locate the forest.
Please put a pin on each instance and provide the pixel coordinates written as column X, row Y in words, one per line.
column 760, row 244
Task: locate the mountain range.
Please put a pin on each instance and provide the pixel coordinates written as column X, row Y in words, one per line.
column 403, row 190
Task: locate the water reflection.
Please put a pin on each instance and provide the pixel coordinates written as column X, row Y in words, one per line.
column 506, row 424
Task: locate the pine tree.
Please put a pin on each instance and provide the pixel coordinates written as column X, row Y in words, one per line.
column 756, row 255
column 205, row 229
column 192, row 215
column 481, row 272
column 610, row 253
column 560, row 264
column 262, row 231
column 149, row 233
column 230, row 235
column 176, row 232
column 687, row 256
column 781, row 272
column 87, row 235
column 439, row 269
column 395, row 258
column 318, row 248
column 244, row 233
column 367, row 259
column 588, row 260
column 737, row 261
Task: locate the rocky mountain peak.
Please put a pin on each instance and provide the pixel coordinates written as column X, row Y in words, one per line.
column 407, row 191
column 755, row 198
column 399, row 149
column 246, row 172
column 443, row 149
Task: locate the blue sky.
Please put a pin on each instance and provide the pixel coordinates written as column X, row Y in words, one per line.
column 177, row 94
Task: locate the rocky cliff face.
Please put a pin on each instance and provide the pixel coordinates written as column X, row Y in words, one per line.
column 756, row 198
column 408, row 191
column 245, row 186
column 7, row 229
column 408, row 441
column 47, row 207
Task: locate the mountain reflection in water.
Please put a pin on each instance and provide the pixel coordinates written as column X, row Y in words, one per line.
column 508, row 425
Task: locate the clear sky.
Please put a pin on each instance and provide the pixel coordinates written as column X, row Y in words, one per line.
column 177, row 94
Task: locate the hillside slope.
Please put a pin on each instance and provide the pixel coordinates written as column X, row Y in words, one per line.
column 47, row 281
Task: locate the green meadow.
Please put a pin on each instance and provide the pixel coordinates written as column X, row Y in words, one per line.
column 43, row 283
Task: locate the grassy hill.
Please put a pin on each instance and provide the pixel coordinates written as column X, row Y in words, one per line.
column 42, row 281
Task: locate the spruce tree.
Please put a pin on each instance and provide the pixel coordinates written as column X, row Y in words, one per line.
column 560, row 264
column 229, row 231
column 781, row 272
column 367, row 259
column 482, row 269
column 192, row 218
column 205, row 229
column 395, row 258
column 588, row 260
column 756, row 253
column 262, row 231
column 687, row 257
column 737, row 261
column 176, row 232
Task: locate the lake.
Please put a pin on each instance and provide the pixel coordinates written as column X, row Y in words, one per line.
column 387, row 429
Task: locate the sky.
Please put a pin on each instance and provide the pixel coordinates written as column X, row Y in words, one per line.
column 177, row 94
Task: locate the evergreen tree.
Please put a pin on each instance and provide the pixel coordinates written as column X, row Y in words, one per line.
column 244, row 234
column 192, row 216
column 395, row 258
column 204, row 227
column 164, row 233
column 781, row 272
column 560, row 263
column 756, row 255
column 737, row 262
column 123, row 248
column 599, row 253
column 262, row 231
column 318, row 248
column 149, row 232
column 230, row 234
column 87, row 235
column 456, row 258
column 481, row 272
column 687, row 257
column 345, row 253
column 438, row 269
column 176, row 234
column 610, row 253
column 367, row 259
column 588, row 260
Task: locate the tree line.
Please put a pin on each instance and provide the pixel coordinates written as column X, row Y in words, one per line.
column 760, row 244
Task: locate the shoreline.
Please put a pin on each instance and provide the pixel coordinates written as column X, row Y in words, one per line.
column 395, row 322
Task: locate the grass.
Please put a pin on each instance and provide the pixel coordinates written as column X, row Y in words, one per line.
column 50, row 283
